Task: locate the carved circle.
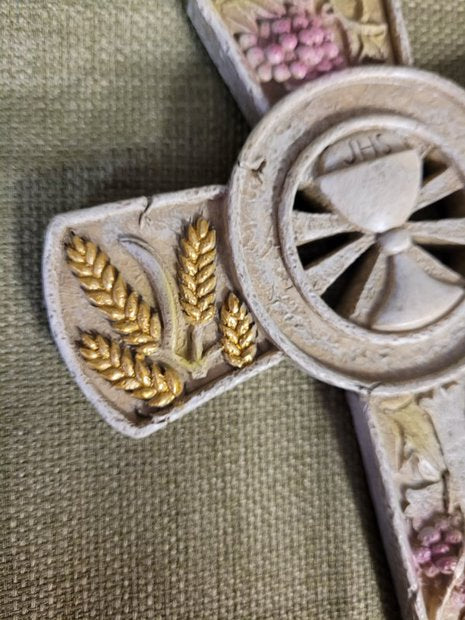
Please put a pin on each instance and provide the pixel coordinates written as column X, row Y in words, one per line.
column 371, row 272
column 404, row 342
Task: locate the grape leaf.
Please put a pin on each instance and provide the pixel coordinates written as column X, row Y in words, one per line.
column 242, row 15
column 424, row 502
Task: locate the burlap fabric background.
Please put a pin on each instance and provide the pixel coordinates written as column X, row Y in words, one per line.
column 256, row 505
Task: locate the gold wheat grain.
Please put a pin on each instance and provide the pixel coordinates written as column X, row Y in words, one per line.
column 197, row 273
column 130, row 372
column 239, row 332
column 137, row 322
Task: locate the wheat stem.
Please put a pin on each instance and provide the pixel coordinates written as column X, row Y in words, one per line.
column 196, row 332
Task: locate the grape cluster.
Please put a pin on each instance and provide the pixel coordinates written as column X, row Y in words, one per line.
column 438, row 545
column 292, row 48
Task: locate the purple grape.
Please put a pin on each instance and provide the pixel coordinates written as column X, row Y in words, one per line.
column 298, row 70
column 446, row 564
column 440, row 549
column 453, row 537
column 247, row 40
column 288, row 42
column 281, row 26
column 429, row 535
column 291, row 48
column 255, row 56
column 281, row 73
column 438, row 545
column 274, row 54
column 422, row 554
column 431, row 570
column 299, row 22
column 265, row 72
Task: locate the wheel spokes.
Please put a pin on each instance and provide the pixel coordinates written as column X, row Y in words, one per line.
column 433, row 266
column 382, row 278
column 372, row 291
column 438, row 187
column 324, row 273
column 441, row 232
column 415, row 298
column 312, row 226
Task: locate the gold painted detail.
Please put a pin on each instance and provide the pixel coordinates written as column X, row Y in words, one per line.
column 197, row 273
column 239, row 332
column 130, row 315
column 154, row 359
column 129, row 372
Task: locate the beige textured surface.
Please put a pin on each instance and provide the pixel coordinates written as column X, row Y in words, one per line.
column 253, row 507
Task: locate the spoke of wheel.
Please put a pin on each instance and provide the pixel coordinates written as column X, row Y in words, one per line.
column 414, row 298
column 312, row 226
column 442, row 232
column 373, row 288
column 438, row 187
column 433, row 266
column 322, row 274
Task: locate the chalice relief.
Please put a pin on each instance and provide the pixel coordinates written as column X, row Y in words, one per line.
column 386, row 204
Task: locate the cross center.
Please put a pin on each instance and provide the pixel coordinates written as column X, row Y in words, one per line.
column 394, row 241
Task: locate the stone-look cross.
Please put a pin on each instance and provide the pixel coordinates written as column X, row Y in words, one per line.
column 337, row 242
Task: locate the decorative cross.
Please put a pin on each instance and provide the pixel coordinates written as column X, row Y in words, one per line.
column 338, row 242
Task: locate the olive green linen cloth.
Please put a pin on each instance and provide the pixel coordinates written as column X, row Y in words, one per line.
column 255, row 506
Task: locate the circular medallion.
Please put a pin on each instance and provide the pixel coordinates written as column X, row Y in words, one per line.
column 347, row 228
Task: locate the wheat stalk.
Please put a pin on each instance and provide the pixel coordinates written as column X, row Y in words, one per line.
column 197, row 273
column 239, row 332
column 130, row 372
column 137, row 322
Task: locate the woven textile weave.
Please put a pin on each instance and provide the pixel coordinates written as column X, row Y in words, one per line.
column 253, row 507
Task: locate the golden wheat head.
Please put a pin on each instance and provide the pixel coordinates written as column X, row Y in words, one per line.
column 239, row 332
column 130, row 372
column 197, row 273
column 130, row 315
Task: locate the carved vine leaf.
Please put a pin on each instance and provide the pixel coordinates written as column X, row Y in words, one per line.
column 450, row 399
column 429, row 483
column 373, row 45
column 360, row 11
column 242, row 15
column 351, row 9
column 419, row 456
column 366, row 29
column 424, row 502
column 367, row 41
column 420, row 463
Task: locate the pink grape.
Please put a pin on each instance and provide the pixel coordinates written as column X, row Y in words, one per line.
column 255, row 56
column 281, row 73
column 293, row 47
column 274, row 54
